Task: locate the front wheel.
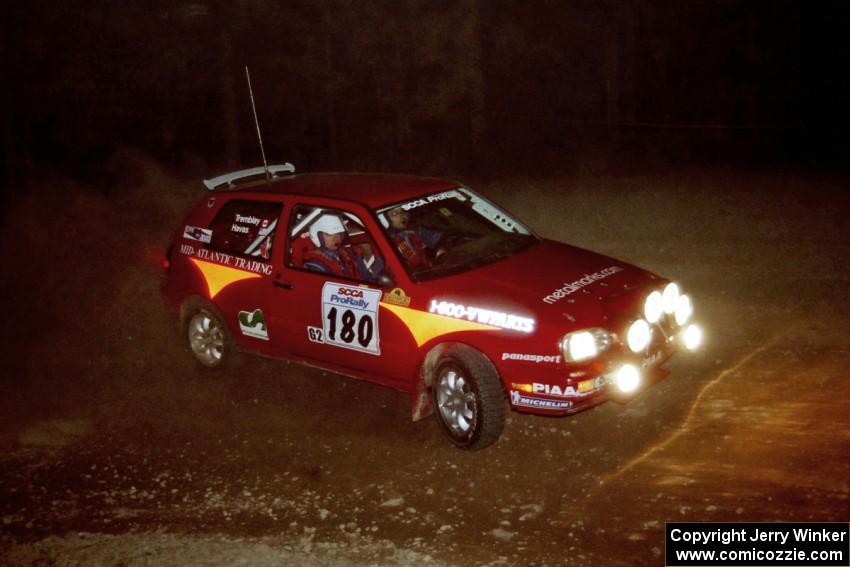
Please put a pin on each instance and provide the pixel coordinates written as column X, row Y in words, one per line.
column 469, row 399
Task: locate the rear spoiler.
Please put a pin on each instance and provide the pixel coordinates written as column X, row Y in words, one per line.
column 231, row 178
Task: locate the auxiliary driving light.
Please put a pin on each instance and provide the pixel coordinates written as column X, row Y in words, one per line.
column 628, row 378
column 652, row 308
column 692, row 336
column 684, row 309
column 670, row 297
column 638, row 335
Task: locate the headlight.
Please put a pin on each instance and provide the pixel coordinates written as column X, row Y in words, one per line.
column 684, row 309
column 638, row 335
column 692, row 336
column 582, row 345
column 652, row 307
column 670, row 297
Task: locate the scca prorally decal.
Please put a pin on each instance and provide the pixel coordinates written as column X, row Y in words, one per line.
column 350, row 317
column 253, row 324
column 197, row 233
column 429, row 199
column 573, row 287
column 223, row 259
column 519, row 399
column 483, row 316
column 531, row 357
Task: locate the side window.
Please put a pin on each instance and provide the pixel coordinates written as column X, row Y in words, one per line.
column 246, row 228
column 334, row 242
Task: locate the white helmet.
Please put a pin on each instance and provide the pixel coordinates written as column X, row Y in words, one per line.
column 329, row 224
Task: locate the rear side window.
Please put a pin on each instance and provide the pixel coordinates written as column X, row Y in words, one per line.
column 245, row 228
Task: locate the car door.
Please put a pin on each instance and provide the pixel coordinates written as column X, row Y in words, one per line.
column 235, row 260
column 334, row 317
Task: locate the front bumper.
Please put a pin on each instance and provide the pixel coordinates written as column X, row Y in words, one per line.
column 575, row 394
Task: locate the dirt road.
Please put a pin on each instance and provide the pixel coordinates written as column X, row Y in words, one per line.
column 134, row 457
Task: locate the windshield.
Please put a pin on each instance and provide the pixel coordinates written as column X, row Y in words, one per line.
column 451, row 232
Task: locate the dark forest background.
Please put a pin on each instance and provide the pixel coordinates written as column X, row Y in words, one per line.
column 424, row 86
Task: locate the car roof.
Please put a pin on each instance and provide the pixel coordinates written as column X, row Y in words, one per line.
column 370, row 189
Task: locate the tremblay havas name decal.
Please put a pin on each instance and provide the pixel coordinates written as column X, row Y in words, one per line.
column 247, row 219
column 483, row 316
column 573, row 287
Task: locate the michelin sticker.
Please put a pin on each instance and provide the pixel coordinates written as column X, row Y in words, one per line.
column 253, row 324
column 350, row 317
column 196, row 233
column 519, row 399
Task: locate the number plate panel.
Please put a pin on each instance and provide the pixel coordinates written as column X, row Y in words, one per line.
column 350, row 317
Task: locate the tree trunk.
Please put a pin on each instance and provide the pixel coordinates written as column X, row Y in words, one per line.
column 477, row 110
column 227, row 82
column 330, row 87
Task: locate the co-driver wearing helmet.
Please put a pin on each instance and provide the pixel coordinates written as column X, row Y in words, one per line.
column 331, row 255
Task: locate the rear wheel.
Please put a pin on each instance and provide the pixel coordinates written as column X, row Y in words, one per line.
column 469, row 399
column 208, row 336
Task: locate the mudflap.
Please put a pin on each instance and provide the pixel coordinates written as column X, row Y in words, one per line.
column 422, row 404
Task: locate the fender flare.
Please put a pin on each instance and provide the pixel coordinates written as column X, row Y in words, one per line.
column 422, row 403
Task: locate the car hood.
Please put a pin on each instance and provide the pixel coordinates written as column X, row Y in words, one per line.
column 553, row 283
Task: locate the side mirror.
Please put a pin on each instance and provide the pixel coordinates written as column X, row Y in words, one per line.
column 385, row 280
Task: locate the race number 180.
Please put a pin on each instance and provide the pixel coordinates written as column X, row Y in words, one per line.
column 350, row 317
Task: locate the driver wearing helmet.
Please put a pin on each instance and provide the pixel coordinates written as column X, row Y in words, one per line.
column 331, row 255
column 414, row 242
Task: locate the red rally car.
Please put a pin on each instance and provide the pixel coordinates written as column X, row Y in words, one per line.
column 420, row 284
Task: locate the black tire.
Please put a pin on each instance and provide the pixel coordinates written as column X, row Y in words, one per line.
column 469, row 399
column 207, row 335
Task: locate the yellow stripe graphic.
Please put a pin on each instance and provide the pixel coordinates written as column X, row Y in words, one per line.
column 217, row 277
column 426, row 326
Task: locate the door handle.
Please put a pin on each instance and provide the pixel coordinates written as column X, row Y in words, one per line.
column 280, row 284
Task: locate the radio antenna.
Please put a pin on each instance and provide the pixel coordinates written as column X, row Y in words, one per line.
column 257, row 124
